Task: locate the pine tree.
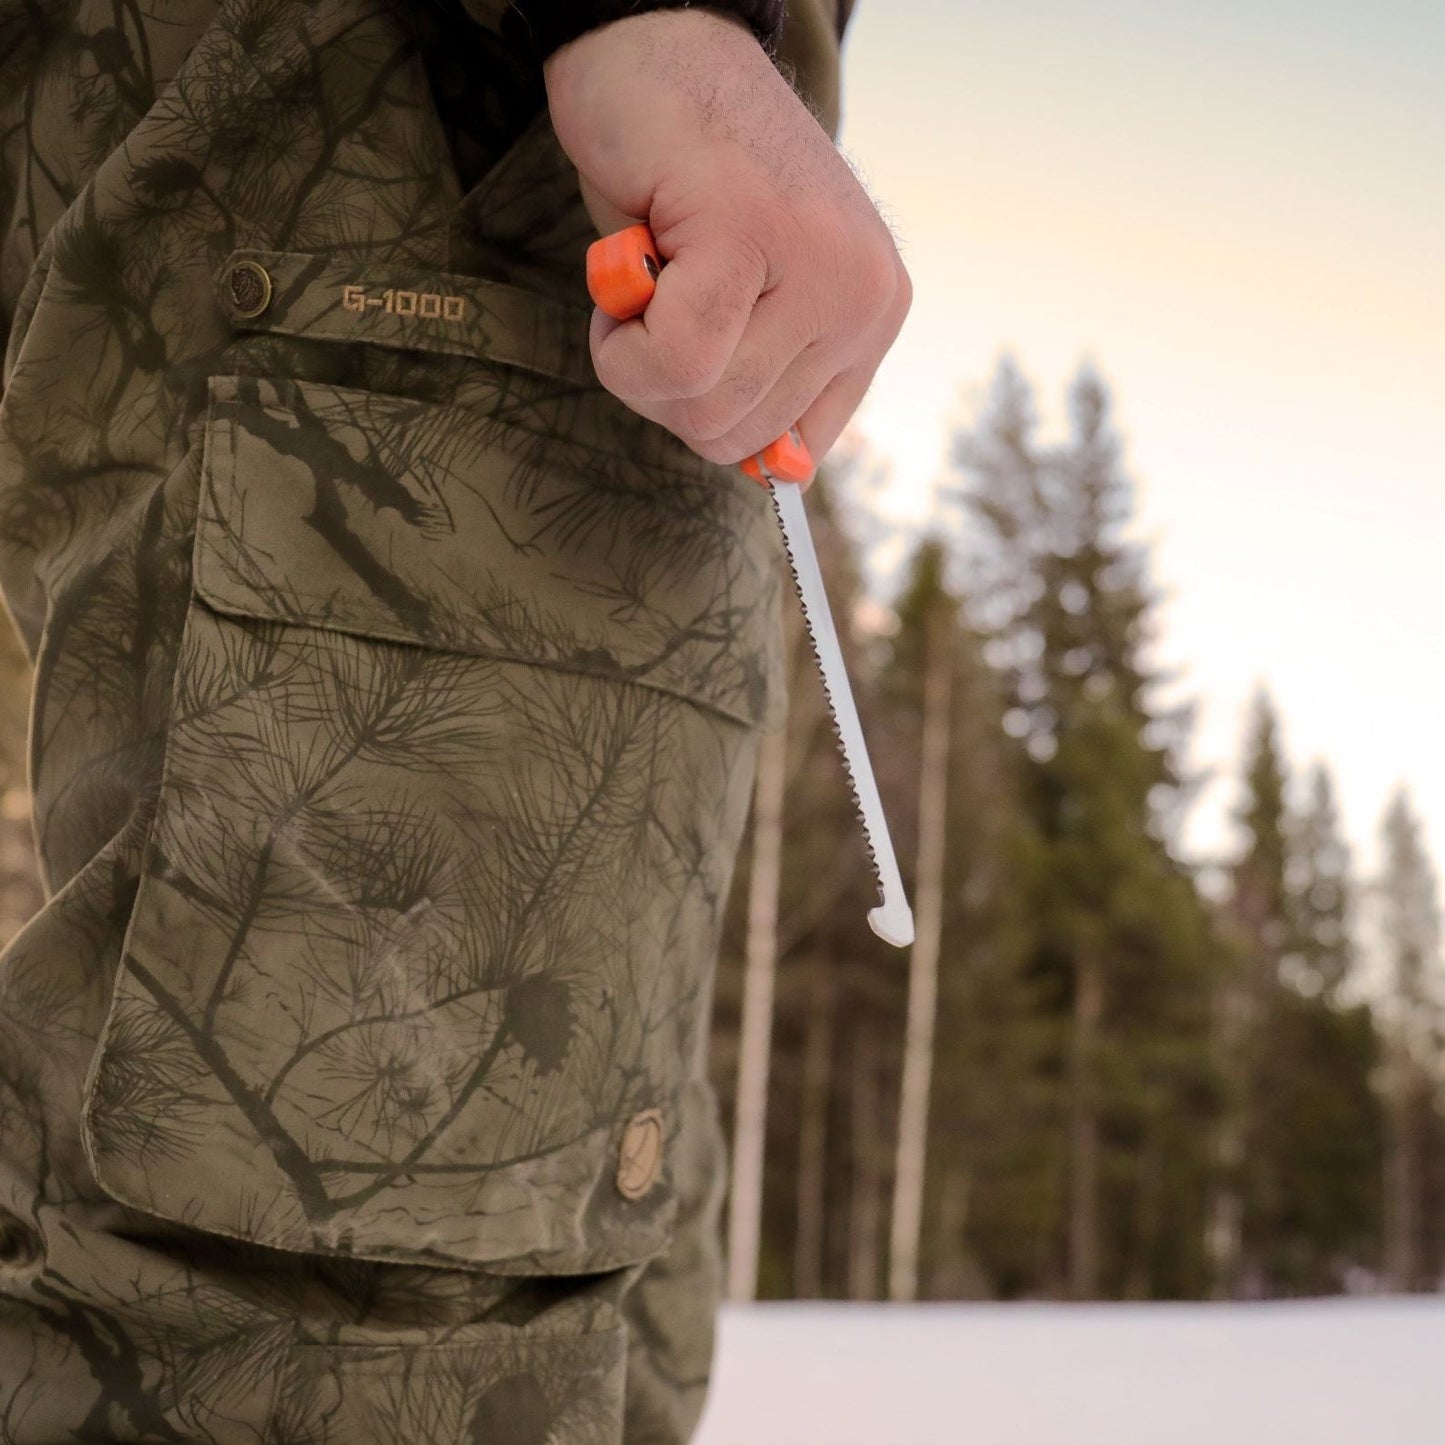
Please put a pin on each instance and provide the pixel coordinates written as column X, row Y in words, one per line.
column 1324, row 954
column 1120, row 954
column 1261, row 902
column 1261, row 922
column 1318, row 1075
column 1302, row 1137
column 1410, row 933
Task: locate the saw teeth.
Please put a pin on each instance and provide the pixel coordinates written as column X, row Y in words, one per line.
column 832, row 710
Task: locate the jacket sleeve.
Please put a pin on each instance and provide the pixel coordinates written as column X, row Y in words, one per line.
column 544, row 25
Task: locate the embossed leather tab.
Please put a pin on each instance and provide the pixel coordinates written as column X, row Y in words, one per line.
column 640, row 1157
column 317, row 294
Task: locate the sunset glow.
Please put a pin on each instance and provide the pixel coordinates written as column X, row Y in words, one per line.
column 1237, row 212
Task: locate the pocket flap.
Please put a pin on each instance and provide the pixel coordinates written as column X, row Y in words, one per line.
column 444, row 527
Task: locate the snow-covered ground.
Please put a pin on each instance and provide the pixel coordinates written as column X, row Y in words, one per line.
column 1348, row 1372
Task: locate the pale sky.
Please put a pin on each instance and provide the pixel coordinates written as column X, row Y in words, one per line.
column 1237, row 210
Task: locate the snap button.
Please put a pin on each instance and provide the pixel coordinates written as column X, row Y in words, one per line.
column 640, row 1157
column 248, row 287
column 19, row 1244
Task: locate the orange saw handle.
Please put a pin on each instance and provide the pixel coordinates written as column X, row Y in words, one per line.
column 622, row 272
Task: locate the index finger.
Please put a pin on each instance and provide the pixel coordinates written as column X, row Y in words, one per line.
column 681, row 345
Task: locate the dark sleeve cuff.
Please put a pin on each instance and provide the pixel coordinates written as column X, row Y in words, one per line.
column 543, row 26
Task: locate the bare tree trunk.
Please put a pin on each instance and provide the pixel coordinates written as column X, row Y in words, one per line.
column 1152, row 1223
column 813, row 1135
column 864, row 1216
column 1084, row 1133
column 956, row 1274
column 1402, row 1179
column 912, row 1150
column 1411, row 934
column 1224, row 1227
column 745, row 1208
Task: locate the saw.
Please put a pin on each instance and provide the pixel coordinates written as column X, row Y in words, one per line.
column 622, row 273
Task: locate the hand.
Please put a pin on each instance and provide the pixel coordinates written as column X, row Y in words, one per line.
column 783, row 289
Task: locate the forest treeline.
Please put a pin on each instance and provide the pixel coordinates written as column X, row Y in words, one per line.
column 1143, row 1079
column 1128, row 1077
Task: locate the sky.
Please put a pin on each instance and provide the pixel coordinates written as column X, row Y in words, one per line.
column 1236, row 211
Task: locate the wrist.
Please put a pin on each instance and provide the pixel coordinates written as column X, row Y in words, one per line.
column 647, row 72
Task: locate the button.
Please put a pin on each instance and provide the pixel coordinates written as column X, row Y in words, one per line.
column 640, row 1158
column 248, row 286
column 19, row 1244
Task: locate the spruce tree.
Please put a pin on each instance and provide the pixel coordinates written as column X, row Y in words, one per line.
column 1303, row 1129
column 1261, row 925
column 1261, row 902
column 1120, row 953
column 1325, row 1060
column 1412, row 1012
column 1324, row 954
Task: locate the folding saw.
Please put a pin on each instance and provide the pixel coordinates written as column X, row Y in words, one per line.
column 622, row 272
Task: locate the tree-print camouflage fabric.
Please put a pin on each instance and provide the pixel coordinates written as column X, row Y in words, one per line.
column 396, row 698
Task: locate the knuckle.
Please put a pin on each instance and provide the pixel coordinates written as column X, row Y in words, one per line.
column 724, row 297
column 903, row 295
column 893, row 318
column 905, row 299
column 688, row 369
column 744, row 386
column 875, row 274
column 707, row 420
column 751, row 249
column 719, row 412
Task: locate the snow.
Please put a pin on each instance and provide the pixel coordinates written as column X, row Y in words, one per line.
column 1331, row 1372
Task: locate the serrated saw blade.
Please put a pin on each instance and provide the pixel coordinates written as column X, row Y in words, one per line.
column 892, row 920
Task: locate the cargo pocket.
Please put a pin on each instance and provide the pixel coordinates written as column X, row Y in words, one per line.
column 458, row 761
column 495, row 1384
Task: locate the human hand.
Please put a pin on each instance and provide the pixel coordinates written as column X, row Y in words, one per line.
column 783, row 289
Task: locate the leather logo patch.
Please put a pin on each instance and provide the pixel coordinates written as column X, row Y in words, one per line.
column 640, row 1158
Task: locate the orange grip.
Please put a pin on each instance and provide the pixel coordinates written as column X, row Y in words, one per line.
column 622, row 272
column 787, row 460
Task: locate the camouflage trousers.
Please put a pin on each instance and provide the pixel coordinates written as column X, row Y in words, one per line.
column 395, row 707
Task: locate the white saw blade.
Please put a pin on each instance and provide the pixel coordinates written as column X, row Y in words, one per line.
column 892, row 920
